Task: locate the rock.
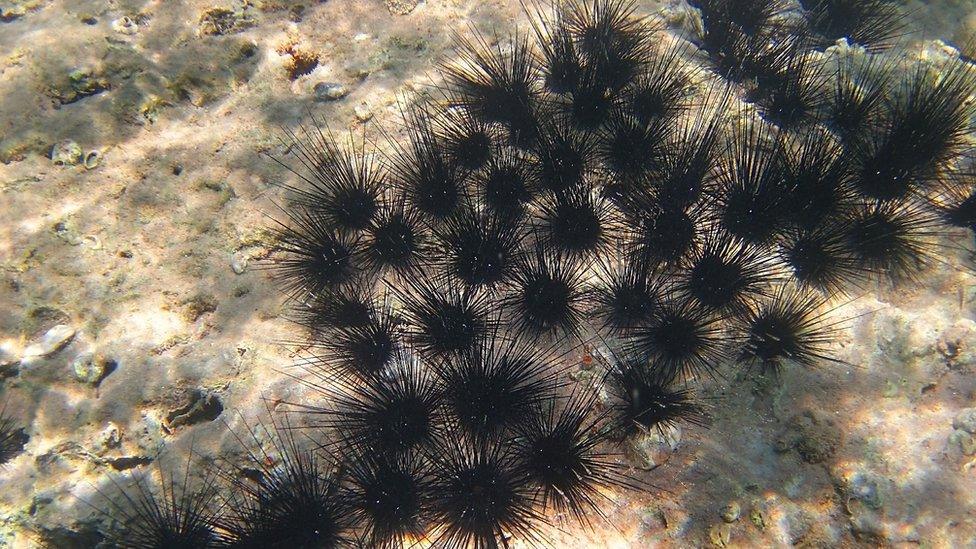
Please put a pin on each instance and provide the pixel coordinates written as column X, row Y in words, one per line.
column 125, row 463
column 51, row 342
column 720, row 535
column 864, row 487
column 199, row 305
column 654, row 448
column 966, row 441
column 111, row 436
column 757, row 519
column 731, row 512
column 965, row 420
column 954, row 344
column 238, row 262
column 814, row 436
column 201, row 406
column 11, row 12
column 66, row 153
column 92, row 160
column 125, row 25
column 401, row 7
column 363, row 113
column 220, row 21
column 83, row 536
column 329, row 91
column 92, row 368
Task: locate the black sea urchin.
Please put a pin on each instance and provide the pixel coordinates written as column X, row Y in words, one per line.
column 630, row 147
column 644, row 401
column 577, row 222
column 662, row 234
column 790, row 326
column 343, row 189
column 792, row 92
column 817, row 181
column 496, row 84
column 478, row 248
column 390, row 413
column 925, row 127
column 287, row 496
column 613, row 41
column 661, row 89
column 752, row 184
column 874, row 24
column 560, row 450
column 444, row 320
column 725, row 273
column 396, row 240
column 680, row 339
column 506, row 185
column 315, row 259
column 546, row 295
column 481, row 496
column 349, row 306
column 467, row 139
column 428, row 178
column 563, row 157
column 362, row 350
column 12, row 438
column 495, row 386
column 956, row 201
column 820, row 258
column 179, row 513
column 626, row 295
column 389, row 497
column 892, row 240
column 857, row 95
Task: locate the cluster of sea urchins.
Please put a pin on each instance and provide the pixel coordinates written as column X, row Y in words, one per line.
column 584, row 186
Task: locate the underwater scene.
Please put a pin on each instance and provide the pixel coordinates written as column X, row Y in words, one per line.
column 463, row 274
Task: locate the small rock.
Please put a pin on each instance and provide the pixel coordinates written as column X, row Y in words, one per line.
column 720, row 535
column 756, row 517
column 201, row 406
column 220, row 21
column 92, row 160
column 329, row 91
column 654, row 448
column 812, row 434
column 238, row 262
column 401, row 7
column 864, row 487
column 198, row 305
column 125, row 25
column 111, row 437
column 51, row 342
column 66, row 153
column 965, row 420
column 966, row 441
column 125, row 463
column 92, row 368
column 731, row 512
column 363, row 113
